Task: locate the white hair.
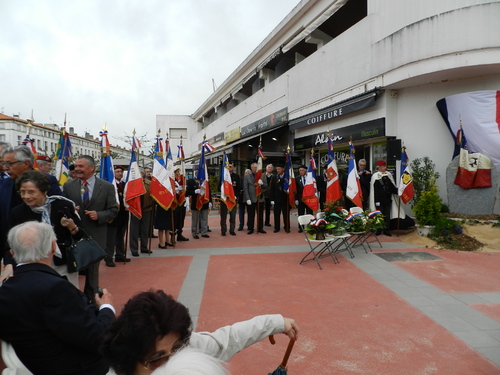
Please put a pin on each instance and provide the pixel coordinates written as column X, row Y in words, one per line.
column 31, row 241
column 189, row 361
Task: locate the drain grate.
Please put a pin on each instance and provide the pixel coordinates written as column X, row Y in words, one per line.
column 411, row 256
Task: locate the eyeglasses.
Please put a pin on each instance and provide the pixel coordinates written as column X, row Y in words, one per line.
column 154, row 363
column 10, row 163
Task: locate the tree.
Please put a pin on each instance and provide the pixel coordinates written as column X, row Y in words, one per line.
column 424, row 176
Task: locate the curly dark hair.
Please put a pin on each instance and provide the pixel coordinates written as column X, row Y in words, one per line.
column 41, row 180
column 146, row 318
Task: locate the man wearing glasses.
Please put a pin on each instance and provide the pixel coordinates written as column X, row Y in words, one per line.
column 16, row 160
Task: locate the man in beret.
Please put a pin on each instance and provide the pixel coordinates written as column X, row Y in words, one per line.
column 382, row 190
column 302, row 208
column 44, row 163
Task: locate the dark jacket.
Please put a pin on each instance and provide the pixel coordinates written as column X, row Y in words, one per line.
column 51, row 325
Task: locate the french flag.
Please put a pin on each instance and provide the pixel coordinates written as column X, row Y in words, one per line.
column 309, row 194
column 478, row 113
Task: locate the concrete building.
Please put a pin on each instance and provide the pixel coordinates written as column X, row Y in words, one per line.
column 372, row 70
column 14, row 130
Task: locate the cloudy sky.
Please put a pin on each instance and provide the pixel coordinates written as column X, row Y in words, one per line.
column 122, row 62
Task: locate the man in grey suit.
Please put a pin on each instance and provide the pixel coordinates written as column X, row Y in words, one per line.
column 97, row 206
column 249, row 188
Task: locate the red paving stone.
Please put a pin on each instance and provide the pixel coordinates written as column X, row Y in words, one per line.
column 349, row 323
column 458, row 272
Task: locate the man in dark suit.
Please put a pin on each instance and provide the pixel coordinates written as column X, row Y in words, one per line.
column 96, row 200
column 254, row 203
column 51, row 325
column 302, row 208
column 267, row 192
column 16, row 160
column 280, row 200
column 115, row 244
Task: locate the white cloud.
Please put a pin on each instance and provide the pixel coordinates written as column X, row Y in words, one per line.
column 123, row 62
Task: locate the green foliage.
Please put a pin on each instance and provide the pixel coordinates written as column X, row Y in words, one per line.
column 214, row 184
column 428, row 207
column 424, row 176
column 444, row 230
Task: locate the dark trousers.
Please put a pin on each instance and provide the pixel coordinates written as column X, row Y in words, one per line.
column 251, row 216
column 179, row 217
column 115, row 240
column 303, row 209
column 241, row 213
column 281, row 208
column 223, row 218
column 386, row 211
column 267, row 202
column 91, row 281
column 139, row 230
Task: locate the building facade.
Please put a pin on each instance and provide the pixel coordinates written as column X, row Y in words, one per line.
column 367, row 70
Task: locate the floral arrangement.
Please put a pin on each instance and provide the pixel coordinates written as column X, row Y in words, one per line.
column 357, row 222
column 354, row 222
column 316, row 226
column 375, row 220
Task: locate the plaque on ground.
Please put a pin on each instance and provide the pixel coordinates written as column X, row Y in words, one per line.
column 410, row 256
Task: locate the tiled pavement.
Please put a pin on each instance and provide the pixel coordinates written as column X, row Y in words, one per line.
column 362, row 316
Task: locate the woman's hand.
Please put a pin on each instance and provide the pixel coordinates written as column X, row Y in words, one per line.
column 67, row 222
column 291, row 328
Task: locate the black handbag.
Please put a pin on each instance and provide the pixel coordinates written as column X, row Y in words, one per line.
column 83, row 253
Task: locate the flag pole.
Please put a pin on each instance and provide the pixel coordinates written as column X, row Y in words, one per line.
column 258, row 198
column 288, row 208
column 172, row 229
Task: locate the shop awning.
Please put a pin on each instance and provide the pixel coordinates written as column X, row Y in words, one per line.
column 342, row 108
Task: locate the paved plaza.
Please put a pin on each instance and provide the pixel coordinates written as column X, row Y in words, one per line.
column 429, row 312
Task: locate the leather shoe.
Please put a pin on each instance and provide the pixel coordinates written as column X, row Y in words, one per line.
column 232, row 233
column 387, row 233
column 276, row 231
column 135, row 253
column 122, row 260
column 180, row 237
column 110, row 263
column 205, row 236
column 209, row 230
column 154, row 236
column 146, row 252
column 300, row 230
column 378, row 232
column 262, row 231
column 250, row 232
column 162, row 247
column 240, row 229
column 223, row 233
column 267, row 225
column 195, row 236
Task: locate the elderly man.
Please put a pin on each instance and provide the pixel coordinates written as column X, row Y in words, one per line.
column 51, row 325
column 44, row 163
column 267, row 192
column 96, row 200
column 115, row 245
column 16, row 160
column 253, row 201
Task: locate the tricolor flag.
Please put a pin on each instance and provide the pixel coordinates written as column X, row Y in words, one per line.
column 258, row 174
column 181, row 182
column 333, row 191
column 290, row 185
column 479, row 114
column 474, row 170
column 202, row 179
column 161, row 188
column 353, row 191
column 405, row 189
column 106, row 171
column 207, row 147
column 310, row 191
column 226, row 185
column 30, row 142
column 63, row 154
column 134, row 187
column 169, row 165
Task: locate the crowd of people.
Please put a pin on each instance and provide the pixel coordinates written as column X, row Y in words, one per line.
column 39, row 220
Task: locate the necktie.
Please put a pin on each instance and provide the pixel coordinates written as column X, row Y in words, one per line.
column 86, row 194
column 304, row 181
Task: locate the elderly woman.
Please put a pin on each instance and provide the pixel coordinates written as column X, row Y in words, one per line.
column 55, row 210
